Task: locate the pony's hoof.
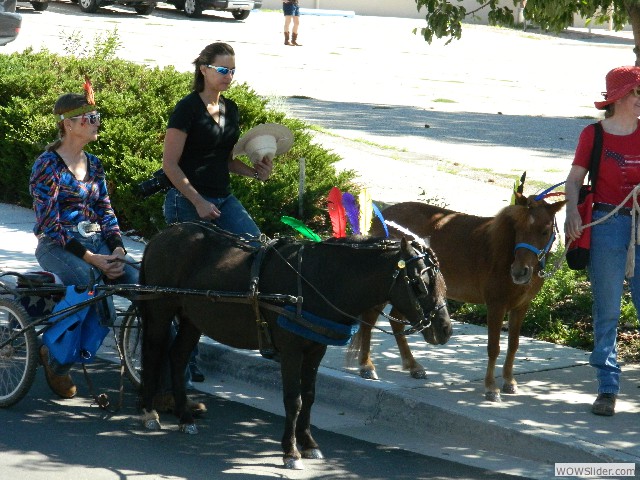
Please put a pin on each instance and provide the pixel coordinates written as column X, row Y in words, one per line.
column 151, row 420
column 368, row 374
column 419, row 374
column 509, row 389
column 293, row 464
column 493, row 397
column 189, row 428
column 152, row 425
column 314, row 453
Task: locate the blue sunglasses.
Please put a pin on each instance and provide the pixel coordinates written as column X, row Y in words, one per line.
column 222, row 70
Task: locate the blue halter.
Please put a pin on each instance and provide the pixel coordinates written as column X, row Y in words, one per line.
column 541, row 254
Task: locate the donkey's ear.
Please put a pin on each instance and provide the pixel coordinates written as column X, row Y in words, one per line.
column 520, row 199
column 555, row 207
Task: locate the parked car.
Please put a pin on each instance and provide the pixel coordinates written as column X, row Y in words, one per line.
column 240, row 9
column 38, row 5
column 142, row 7
column 10, row 21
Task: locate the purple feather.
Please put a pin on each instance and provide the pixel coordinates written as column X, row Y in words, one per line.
column 378, row 213
column 352, row 211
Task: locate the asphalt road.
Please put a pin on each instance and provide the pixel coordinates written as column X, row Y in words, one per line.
column 44, row 438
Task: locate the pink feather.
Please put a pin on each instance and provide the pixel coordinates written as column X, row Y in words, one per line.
column 337, row 213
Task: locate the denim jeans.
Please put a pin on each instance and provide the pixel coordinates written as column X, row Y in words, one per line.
column 234, row 218
column 608, row 256
column 75, row 271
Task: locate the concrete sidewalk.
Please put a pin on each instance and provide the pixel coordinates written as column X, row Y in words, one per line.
column 549, row 421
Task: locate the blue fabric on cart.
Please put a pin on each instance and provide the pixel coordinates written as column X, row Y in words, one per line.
column 78, row 336
column 343, row 332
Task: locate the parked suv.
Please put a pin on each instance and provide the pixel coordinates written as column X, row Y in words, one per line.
column 10, row 21
column 142, row 7
column 240, row 9
column 38, row 5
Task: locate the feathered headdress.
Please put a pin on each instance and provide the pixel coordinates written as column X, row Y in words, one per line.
column 91, row 102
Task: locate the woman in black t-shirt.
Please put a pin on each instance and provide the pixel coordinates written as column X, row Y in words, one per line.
column 202, row 131
column 201, row 134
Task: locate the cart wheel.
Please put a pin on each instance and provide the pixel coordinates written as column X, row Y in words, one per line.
column 18, row 357
column 130, row 342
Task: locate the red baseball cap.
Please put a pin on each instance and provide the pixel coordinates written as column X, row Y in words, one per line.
column 620, row 81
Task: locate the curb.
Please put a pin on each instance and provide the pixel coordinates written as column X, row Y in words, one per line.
column 411, row 411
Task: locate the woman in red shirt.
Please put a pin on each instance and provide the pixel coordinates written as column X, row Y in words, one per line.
column 618, row 174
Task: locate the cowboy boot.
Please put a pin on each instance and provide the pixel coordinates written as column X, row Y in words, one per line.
column 62, row 385
column 294, row 37
column 286, row 38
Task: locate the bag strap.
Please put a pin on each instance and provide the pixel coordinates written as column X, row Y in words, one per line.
column 596, row 154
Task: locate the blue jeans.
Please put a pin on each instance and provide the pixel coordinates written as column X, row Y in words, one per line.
column 234, row 218
column 608, row 256
column 75, row 271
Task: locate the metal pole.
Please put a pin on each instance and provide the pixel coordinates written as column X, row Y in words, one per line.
column 301, row 187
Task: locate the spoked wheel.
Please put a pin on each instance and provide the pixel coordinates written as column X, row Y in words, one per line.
column 19, row 356
column 130, row 342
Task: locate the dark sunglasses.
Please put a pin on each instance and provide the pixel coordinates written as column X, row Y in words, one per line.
column 222, row 70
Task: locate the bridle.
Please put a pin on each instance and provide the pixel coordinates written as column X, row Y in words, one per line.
column 541, row 254
column 417, row 289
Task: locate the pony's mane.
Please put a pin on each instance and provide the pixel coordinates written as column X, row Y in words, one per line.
column 363, row 241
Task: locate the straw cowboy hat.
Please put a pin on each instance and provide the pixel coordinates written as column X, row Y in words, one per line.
column 267, row 139
column 620, row 81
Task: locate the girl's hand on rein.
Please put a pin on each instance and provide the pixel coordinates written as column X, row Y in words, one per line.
column 110, row 265
column 573, row 225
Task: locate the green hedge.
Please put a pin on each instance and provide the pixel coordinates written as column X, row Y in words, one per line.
column 135, row 103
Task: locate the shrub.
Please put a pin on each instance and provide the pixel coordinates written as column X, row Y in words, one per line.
column 135, row 102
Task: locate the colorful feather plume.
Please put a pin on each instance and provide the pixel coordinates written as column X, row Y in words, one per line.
column 337, row 213
column 300, row 227
column 88, row 91
column 518, row 187
column 365, row 211
column 547, row 193
column 407, row 232
column 351, row 210
column 378, row 213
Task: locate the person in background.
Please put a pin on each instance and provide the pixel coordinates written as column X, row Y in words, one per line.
column 618, row 174
column 198, row 160
column 291, row 11
column 77, row 229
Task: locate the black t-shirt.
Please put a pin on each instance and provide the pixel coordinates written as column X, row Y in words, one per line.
column 208, row 147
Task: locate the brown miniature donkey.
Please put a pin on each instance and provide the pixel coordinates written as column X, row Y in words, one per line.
column 495, row 261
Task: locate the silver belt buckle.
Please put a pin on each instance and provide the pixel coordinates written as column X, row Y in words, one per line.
column 81, row 229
